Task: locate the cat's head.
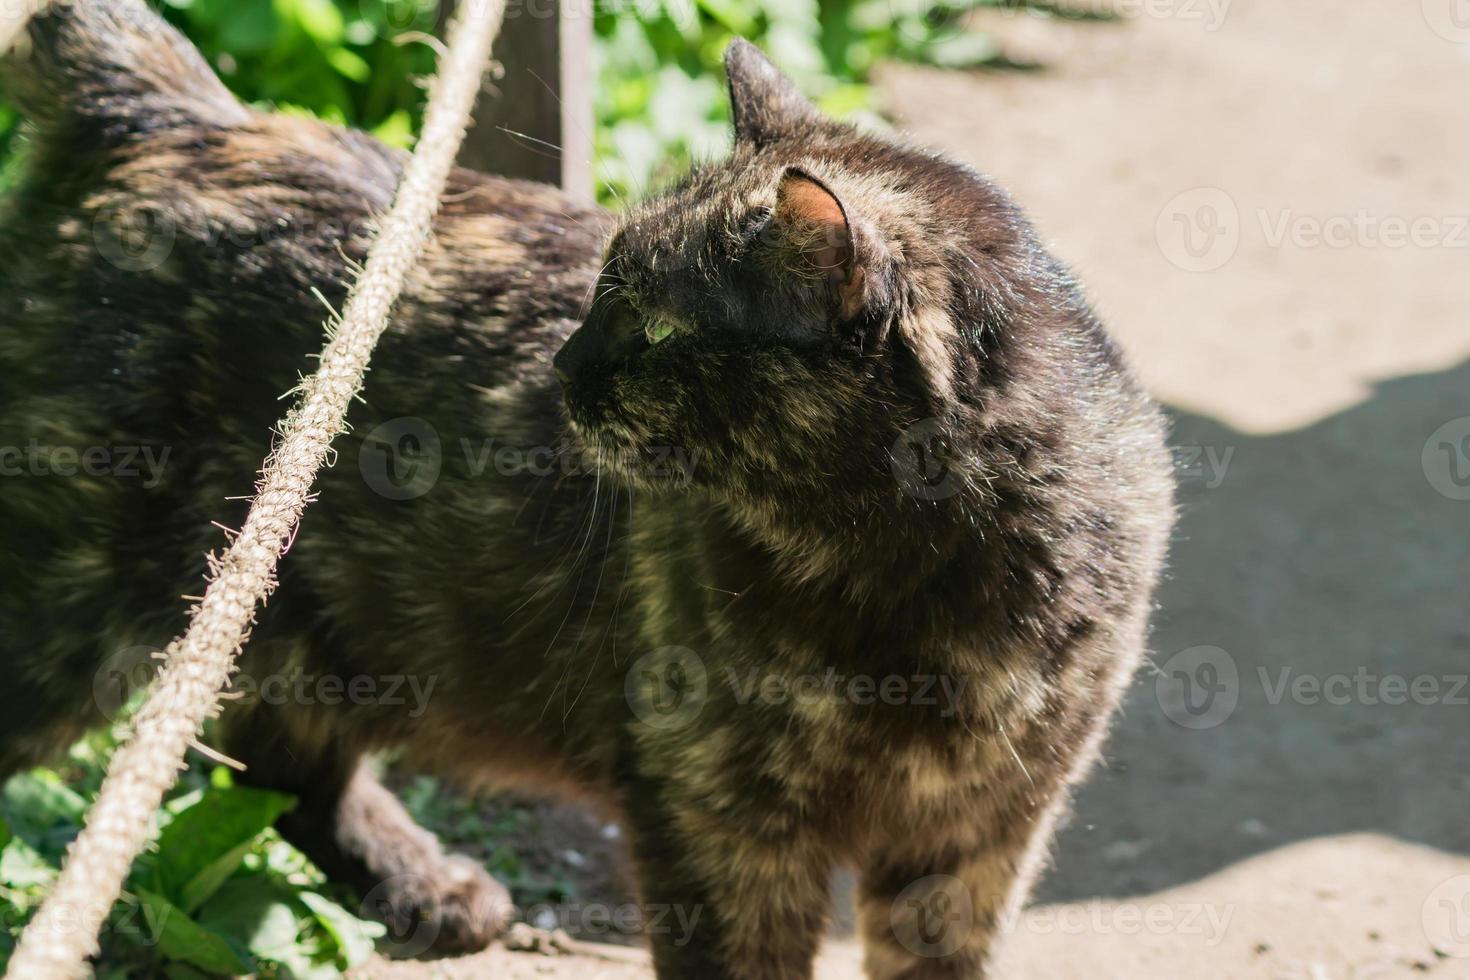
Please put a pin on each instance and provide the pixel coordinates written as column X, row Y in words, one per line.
column 778, row 319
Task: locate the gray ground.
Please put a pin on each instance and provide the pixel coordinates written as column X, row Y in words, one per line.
column 1313, row 540
column 1321, row 392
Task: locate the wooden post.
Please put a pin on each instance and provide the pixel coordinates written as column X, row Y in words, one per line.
column 534, row 119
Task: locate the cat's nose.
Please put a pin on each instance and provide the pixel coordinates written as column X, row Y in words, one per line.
column 559, row 366
column 582, row 350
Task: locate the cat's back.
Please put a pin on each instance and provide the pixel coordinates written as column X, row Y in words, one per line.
column 161, row 228
column 171, row 258
column 239, row 241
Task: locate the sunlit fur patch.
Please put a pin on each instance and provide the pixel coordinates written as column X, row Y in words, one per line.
column 790, row 547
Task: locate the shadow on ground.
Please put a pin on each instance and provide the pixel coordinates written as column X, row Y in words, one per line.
column 1261, row 823
column 1328, row 560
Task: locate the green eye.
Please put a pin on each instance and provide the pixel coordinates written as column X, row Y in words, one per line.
column 657, row 330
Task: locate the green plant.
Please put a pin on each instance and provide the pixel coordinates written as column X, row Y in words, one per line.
column 340, row 60
column 219, row 894
column 658, row 98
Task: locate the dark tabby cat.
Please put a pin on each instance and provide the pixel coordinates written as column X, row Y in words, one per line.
column 827, row 538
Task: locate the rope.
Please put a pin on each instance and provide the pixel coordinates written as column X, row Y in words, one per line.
column 63, row 934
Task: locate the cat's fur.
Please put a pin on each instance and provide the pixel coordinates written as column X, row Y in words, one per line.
column 885, row 439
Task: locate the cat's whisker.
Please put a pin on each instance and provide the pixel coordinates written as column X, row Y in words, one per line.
column 592, row 609
column 579, row 222
column 567, row 547
column 1010, row 745
column 561, row 557
column 596, row 281
column 530, row 496
column 524, row 140
column 617, row 195
column 713, row 588
column 577, row 563
column 533, row 139
column 608, row 295
column 604, row 273
column 627, row 567
column 591, row 162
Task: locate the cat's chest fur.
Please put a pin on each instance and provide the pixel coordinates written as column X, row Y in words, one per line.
column 885, row 706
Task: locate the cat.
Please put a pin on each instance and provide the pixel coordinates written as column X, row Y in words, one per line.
column 804, row 514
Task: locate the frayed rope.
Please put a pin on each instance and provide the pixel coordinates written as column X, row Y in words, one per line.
column 63, row 935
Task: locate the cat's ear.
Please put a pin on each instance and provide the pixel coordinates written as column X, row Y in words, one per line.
column 765, row 104
column 813, row 222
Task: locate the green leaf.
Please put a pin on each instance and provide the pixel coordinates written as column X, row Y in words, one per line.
column 349, row 65
column 396, row 130
column 183, row 971
column 319, row 18
column 637, row 149
column 258, row 912
column 208, row 881
column 359, row 32
column 40, row 793
column 299, row 966
column 172, row 808
column 22, row 866
column 730, row 15
column 355, row 938
column 248, row 27
column 181, row 938
column 205, row 843
column 679, row 103
column 43, row 810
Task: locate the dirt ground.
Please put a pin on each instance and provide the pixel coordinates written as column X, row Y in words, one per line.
column 1266, row 199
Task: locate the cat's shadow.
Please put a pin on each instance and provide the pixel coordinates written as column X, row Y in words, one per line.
column 1327, row 565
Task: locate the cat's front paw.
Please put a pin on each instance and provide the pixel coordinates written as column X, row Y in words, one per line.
column 459, row 908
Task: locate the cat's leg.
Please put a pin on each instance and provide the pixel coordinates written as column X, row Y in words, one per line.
column 359, row 834
column 727, row 897
column 950, row 871
column 933, row 902
column 949, row 877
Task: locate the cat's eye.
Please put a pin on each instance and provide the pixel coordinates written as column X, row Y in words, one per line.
column 657, row 330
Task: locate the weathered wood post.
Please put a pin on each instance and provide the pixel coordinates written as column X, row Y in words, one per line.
column 535, row 118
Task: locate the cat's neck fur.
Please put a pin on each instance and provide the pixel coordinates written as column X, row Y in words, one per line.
column 879, row 551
